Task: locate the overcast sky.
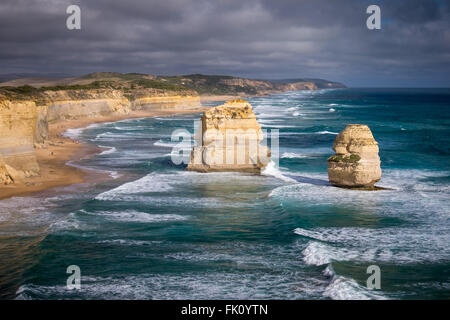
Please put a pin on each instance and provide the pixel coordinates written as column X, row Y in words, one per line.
column 268, row 39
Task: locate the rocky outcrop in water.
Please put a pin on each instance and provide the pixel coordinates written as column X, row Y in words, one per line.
column 356, row 163
column 230, row 140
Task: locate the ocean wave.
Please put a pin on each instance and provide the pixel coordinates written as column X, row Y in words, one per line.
column 165, row 144
column 73, row 133
column 409, row 187
column 272, row 170
column 108, row 150
column 68, row 223
column 138, row 216
column 293, row 155
column 187, row 285
column 410, row 245
column 278, row 126
column 150, row 183
column 129, row 242
column 318, row 254
column 110, row 136
column 270, row 120
column 342, row 288
column 327, row 132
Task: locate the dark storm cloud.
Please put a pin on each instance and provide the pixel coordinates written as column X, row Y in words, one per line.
column 253, row 38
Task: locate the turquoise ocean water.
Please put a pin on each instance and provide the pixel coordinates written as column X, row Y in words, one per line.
column 156, row 231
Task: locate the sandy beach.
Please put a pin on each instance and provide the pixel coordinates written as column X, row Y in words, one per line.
column 59, row 150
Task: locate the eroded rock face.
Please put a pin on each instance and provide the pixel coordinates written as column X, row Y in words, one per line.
column 5, row 177
column 229, row 140
column 356, row 163
column 24, row 124
column 17, row 137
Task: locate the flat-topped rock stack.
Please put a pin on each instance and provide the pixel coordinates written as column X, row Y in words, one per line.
column 356, row 163
column 230, row 140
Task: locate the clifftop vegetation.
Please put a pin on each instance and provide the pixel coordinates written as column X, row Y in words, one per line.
column 27, row 88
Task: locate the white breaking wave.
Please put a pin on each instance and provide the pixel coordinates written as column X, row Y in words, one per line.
column 331, row 110
column 292, row 155
column 149, row 183
column 108, row 151
column 165, row 144
column 138, row 216
column 327, row 132
column 272, row 170
column 317, row 253
column 342, row 288
column 270, row 120
column 277, row 126
column 174, row 286
column 129, row 242
column 73, row 133
column 410, row 245
column 114, row 174
column 295, row 114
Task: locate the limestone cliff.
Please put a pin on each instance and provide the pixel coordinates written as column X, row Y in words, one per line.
column 24, row 119
column 17, row 134
column 356, row 163
column 173, row 102
column 77, row 104
column 230, row 140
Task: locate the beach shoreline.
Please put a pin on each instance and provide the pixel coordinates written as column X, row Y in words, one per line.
column 59, row 151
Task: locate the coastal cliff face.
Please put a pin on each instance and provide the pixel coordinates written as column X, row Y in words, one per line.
column 17, row 136
column 176, row 102
column 80, row 104
column 24, row 125
column 295, row 86
column 356, row 163
column 230, row 140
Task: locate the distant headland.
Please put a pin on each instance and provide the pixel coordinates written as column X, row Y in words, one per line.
column 33, row 84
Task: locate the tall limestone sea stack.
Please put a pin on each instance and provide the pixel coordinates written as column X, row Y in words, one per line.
column 230, row 140
column 356, row 163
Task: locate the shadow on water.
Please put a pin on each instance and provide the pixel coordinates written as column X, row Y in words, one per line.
column 316, row 182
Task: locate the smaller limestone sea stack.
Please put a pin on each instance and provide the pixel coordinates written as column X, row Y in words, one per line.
column 356, row 163
column 229, row 140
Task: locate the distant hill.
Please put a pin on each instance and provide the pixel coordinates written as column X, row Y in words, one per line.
column 222, row 84
column 203, row 84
